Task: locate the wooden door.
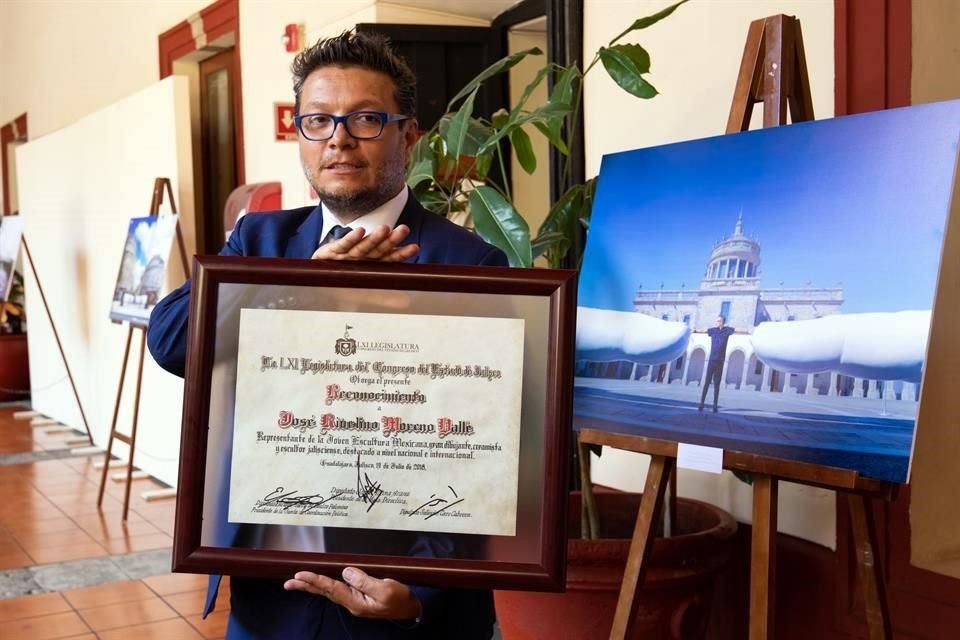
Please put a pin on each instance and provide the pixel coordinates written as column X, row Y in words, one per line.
column 219, row 145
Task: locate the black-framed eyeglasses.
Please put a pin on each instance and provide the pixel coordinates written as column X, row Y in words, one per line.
column 362, row 125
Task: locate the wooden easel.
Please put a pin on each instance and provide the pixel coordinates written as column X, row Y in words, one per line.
column 773, row 71
column 56, row 336
column 159, row 185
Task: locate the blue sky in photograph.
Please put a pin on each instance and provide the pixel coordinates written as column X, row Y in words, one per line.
column 860, row 200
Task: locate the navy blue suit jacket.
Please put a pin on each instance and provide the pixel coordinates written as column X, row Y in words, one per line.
column 262, row 606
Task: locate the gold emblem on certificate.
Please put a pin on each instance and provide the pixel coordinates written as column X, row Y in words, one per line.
column 379, row 421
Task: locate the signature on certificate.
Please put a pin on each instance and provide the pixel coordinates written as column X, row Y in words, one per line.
column 367, row 490
column 288, row 500
column 436, row 501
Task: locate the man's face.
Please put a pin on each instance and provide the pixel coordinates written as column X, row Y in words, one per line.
column 719, row 322
column 354, row 176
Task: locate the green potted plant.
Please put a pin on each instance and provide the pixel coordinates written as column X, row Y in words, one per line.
column 451, row 174
column 450, row 169
column 14, row 364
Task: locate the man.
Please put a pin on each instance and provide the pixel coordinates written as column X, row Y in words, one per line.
column 718, row 353
column 354, row 109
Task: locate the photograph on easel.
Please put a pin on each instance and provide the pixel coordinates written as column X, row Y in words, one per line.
column 142, row 268
column 11, row 230
column 771, row 291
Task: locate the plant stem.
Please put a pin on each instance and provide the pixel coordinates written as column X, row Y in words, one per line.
column 503, row 172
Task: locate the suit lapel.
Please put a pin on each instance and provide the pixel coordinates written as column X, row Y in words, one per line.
column 305, row 241
column 412, row 216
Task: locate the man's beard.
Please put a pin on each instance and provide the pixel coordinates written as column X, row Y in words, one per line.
column 353, row 203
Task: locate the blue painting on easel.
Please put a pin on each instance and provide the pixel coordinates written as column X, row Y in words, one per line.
column 143, row 268
column 770, row 291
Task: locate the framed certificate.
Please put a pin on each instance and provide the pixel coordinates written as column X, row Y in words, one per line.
column 410, row 420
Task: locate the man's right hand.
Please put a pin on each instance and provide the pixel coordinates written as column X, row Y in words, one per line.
column 380, row 245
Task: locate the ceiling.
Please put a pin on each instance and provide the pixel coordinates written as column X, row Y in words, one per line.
column 482, row 9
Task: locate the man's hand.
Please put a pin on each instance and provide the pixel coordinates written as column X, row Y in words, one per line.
column 380, row 244
column 361, row 594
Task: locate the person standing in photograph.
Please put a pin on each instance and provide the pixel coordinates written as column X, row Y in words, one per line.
column 718, row 353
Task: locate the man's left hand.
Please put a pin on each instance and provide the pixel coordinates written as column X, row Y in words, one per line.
column 362, row 595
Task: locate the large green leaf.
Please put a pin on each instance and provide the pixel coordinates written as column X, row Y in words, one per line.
column 545, row 114
column 497, row 67
column 625, row 72
column 643, row 23
column 637, row 54
column 419, row 172
column 524, row 150
column 499, row 118
column 498, row 223
column 434, row 201
column 561, row 98
column 563, row 88
column 553, row 136
column 553, row 241
column 456, row 129
column 477, row 134
column 564, row 212
column 537, row 79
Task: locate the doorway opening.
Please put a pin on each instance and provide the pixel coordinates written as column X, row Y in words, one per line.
column 206, row 49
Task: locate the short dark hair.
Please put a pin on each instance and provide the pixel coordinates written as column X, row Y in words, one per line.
column 358, row 49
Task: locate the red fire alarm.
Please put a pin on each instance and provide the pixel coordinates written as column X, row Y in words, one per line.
column 293, row 37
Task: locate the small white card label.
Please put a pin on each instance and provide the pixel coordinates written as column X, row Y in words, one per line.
column 692, row 456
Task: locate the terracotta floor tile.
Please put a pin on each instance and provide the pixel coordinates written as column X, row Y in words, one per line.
column 103, row 526
column 110, row 593
column 32, row 606
column 125, row 614
column 89, row 507
column 189, row 603
column 15, row 560
column 57, row 522
column 37, row 509
column 215, row 626
column 60, row 484
column 64, row 553
column 174, row 629
column 138, row 543
column 176, row 583
column 37, row 541
column 59, row 625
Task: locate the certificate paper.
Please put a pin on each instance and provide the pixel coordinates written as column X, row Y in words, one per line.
column 379, row 421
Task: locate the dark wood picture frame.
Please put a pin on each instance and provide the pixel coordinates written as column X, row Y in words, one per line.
column 546, row 572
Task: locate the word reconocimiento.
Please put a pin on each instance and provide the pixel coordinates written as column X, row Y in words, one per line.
column 337, row 394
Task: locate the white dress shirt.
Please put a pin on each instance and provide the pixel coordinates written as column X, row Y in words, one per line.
column 388, row 213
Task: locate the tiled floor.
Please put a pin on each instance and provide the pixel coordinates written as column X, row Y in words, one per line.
column 76, row 561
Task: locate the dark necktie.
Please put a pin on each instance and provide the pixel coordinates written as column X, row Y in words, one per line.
column 336, row 233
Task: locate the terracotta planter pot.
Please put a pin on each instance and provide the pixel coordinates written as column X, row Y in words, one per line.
column 674, row 601
column 14, row 367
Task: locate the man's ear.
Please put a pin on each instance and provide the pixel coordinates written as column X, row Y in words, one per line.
column 412, row 132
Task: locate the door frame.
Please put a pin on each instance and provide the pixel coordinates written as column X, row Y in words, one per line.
column 13, row 131
column 197, row 33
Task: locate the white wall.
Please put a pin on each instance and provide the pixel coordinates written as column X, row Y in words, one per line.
column 63, row 59
column 79, row 187
column 696, row 55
